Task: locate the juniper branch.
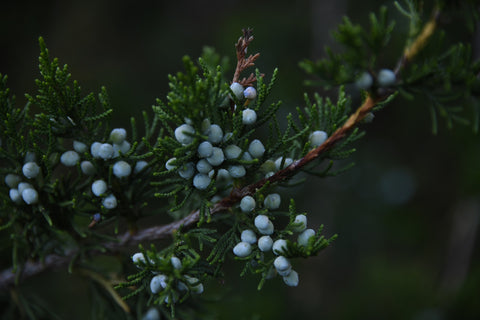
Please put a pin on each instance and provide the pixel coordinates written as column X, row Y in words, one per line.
column 8, row 277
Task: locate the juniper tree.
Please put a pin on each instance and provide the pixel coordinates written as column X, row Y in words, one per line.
column 76, row 187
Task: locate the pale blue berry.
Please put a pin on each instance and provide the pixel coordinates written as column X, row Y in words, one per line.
column 80, row 147
column 215, row 133
column 205, row 149
column 227, row 137
column 88, row 168
column 232, row 151
column 158, row 283
column 279, row 246
column 15, row 196
column 272, row 201
column 184, row 133
column 12, row 180
column 248, row 236
column 265, row 243
column 97, row 217
column 256, row 148
column 30, row 170
column 365, row 81
column 317, row 138
column 187, row 171
column 203, row 166
column 69, row 158
column 30, row 196
column 23, row 186
column 176, row 263
column 105, row 151
column 386, row 78
column 247, row 204
column 291, row 279
column 249, row 116
column 237, row 89
column 237, row 171
column 118, row 135
column 99, row 187
column 217, row 157
column 301, row 220
column 223, row 175
column 303, row 237
column 250, row 93
column 151, row 314
column 109, row 202
column 282, row 265
column 169, row 164
column 201, row 181
column 95, row 149
column 205, row 126
column 196, row 286
column 138, row 258
column 261, row 221
column 122, row 169
column 286, row 163
column 122, row 148
column 268, row 230
column 139, row 166
column 242, row 249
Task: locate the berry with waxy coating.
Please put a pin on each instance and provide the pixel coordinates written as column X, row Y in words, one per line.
column 123, row 148
column 110, row 202
column 268, row 230
column 122, row 169
column 300, row 219
column 99, row 187
column 291, row 279
column 118, row 135
column 247, row 204
column 80, row 147
column 318, row 137
column 30, row 170
column 282, row 265
column 256, row 148
column 15, row 196
column 30, row 196
column 138, row 257
column 95, row 149
column 217, row 157
column 187, row 171
column 203, row 166
column 232, row 151
column 158, row 283
column 248, row 236
column 205, row 149
column 176, row 262
column 24, row 185
column 151, row 314
column 88, row 168
column 201, row 181
column 69, row 158
column 215, row 133
column 184, row 133
column 272, row 201
column 249, row 116
column 12, row 180
column 250, row 93
column 105, row 151
column 237, row 89
column 286, row 163
column 386, row 78
column 261, row 221
column 365, row 81
column 279, row 246
column 139, row 166
column 237, row 171
column 242, row 249
column 265, row 243
column 303, row 237
column 169, row 164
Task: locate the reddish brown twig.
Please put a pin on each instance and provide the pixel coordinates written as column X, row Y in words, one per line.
column 242, row 62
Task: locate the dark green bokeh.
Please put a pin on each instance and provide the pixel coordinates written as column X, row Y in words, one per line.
column 406, row 215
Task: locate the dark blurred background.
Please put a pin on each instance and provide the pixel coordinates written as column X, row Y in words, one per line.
column 407, row 214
